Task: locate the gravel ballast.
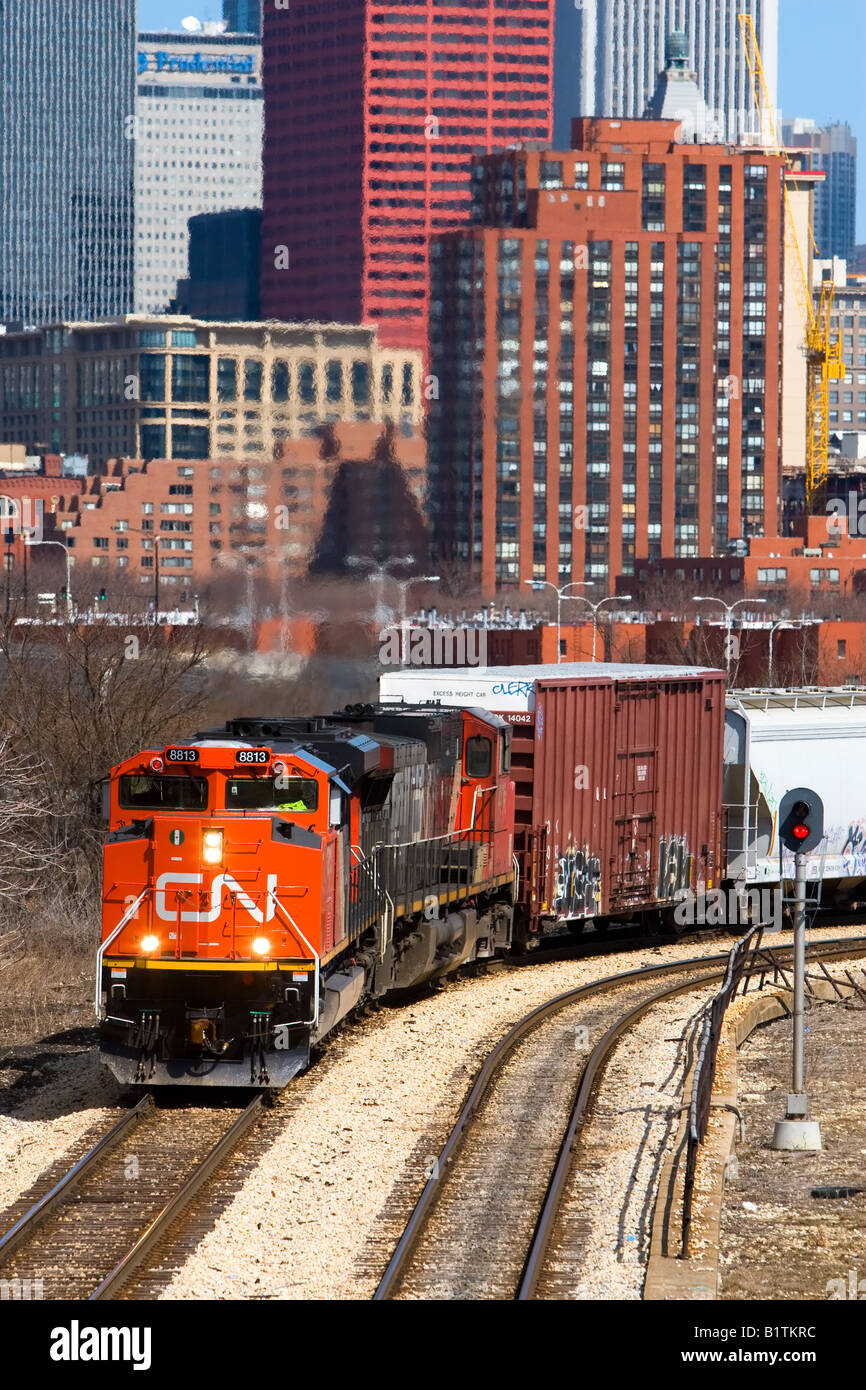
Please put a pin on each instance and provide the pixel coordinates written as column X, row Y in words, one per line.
column 317, row 1202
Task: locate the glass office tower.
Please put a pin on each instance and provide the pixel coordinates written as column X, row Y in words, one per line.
column 67, row 104
column 243, row 16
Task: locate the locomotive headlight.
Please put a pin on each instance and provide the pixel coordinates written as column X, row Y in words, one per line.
column 212, row 846
column 149, row 944
column 261, row 946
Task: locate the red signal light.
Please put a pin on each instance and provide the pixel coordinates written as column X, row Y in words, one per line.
column 800, row 831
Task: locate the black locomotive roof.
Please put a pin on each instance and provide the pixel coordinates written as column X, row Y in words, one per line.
column 352, row 752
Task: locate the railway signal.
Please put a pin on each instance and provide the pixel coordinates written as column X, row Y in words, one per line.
column 801, row 829
column 801, row 820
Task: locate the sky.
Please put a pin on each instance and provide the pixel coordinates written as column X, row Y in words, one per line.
column 822, row 46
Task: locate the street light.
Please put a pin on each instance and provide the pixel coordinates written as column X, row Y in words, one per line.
column 403, row 585
column 729, row 619
column 561, row 593
column 65, row 549
column 783, row 622
column 379, row 573
column 611, row 598
column 236, row 562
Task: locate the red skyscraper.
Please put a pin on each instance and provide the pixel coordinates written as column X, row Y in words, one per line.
column 373, row 111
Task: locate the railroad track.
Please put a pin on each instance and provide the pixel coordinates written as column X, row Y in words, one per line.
column 91, row 1233
column 497, row 1218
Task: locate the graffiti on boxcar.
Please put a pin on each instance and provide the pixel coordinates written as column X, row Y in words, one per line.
column 854, row 846
column 577, row 885
column 675, row 866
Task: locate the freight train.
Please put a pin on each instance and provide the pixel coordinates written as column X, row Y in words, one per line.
column 264, row 879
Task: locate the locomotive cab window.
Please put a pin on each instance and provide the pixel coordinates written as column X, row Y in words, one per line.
column 268, row 794
column 144, row 792
column 479, row 756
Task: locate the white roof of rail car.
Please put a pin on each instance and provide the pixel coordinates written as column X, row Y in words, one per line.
column 512, row 688
column 781, row 716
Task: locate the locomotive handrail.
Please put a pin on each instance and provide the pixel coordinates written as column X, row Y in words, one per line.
column 130, row 912
column 312, row 950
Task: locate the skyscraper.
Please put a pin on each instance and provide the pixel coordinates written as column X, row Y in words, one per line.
column 372, row 113
column 607, row 340
column 198, row 147
column 67, row 102
column 608, row 54
column 834, row 149
column 243, row 16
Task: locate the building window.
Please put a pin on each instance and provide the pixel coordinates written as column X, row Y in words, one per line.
column 252, row 379
column 227, row 379
column 550, row 175
column 280, row 382
column 407, row 395
column 360, row 383
column 334, row 381
column 189, row 380
column 841, row 648
column 307, row 383
column 190, row 442
column 153, row 441
column 152, row 376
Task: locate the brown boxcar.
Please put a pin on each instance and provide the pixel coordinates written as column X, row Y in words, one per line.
column 618, row 779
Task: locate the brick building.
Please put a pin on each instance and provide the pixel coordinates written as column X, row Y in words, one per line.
column 607, row 337
column 819, row 560
column 168, row 525
column 373, row 109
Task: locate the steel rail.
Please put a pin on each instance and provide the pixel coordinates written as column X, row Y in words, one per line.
column 26, row 1225
column 590, row 1077
column 161, row 1224
column 833, row 948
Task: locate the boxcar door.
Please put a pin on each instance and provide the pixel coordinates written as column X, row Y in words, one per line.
column 634, row 798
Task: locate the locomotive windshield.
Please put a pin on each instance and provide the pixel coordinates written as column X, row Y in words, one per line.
column 269, row 794
column 144, row 792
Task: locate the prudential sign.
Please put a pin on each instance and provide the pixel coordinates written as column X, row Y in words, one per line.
column 196, row 62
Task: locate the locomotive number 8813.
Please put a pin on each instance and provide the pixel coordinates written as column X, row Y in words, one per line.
column 262, row 880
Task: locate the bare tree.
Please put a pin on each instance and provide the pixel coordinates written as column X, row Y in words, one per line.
column 80, row 698
column 28, row 840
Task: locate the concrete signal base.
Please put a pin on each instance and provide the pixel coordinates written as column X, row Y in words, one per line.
column 802, row 1135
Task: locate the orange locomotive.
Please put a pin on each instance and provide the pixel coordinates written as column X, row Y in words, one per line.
column 262, row 880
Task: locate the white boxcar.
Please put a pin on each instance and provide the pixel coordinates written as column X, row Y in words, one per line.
column 777, row 740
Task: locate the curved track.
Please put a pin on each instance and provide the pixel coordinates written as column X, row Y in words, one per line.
column 493, row 1209
column 87, row 1236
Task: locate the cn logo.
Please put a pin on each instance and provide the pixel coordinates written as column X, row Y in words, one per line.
column 167, row 910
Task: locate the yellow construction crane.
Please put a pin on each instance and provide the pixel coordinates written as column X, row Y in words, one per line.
column 823, row 354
